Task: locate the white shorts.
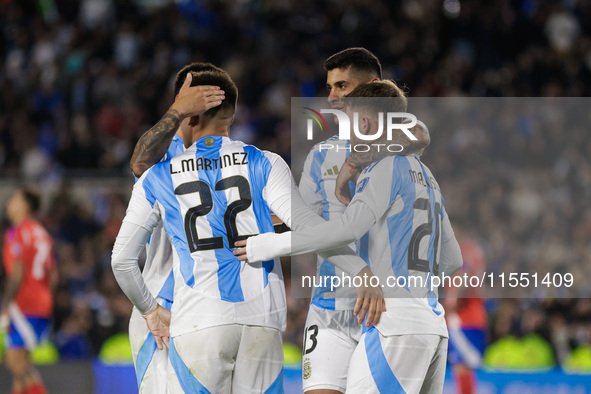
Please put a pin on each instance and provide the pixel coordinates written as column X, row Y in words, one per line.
column 150, row 362
column 398, row 364
column 330, row 338
column 227, row 359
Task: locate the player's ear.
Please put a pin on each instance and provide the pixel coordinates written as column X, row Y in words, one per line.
column 365, row 125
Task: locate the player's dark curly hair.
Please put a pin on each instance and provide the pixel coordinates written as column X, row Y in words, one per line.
column 32, row 198
column 359, row 59
column 208, row 74
column 193, row 67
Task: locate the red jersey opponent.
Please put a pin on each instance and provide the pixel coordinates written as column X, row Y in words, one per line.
column 27, row 303
column 466, row 319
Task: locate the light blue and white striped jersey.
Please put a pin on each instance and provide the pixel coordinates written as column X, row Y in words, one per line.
column 158, row 276
column 404, row 242
column 210, row 196
column 317, row 188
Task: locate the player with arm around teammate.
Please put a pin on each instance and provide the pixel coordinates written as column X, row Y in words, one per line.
column 399, row 205
column 332, row 328
column 227, row 316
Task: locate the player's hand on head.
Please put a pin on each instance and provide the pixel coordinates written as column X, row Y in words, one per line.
column 158, row 322
column 421, row 131
column 195, row 100
column 370, row 299
column 346, row 174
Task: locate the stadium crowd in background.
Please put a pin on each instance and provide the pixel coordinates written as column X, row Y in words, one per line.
column 81, row 81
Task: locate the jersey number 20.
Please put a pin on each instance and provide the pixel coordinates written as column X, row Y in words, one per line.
column 414, row 261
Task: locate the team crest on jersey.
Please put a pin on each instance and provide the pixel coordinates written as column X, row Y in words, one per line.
column 362, row 185
column 208, row 142
column 307, row 370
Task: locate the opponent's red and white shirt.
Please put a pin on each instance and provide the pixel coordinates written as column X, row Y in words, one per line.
column 471, row 309
column 30, row 244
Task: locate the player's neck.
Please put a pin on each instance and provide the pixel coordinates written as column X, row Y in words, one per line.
column 214, row 131
column 19, row 219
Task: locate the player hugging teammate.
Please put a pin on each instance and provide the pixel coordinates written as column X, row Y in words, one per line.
column 226, row 317
column 228, row 311
column 403, row 230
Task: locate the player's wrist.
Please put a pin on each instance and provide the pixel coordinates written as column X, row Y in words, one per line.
column 177, row 110
column 353, row 167
column 364, row 271
column 149, row 311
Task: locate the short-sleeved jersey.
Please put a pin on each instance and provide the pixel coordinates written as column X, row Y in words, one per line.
column 157, row 271
column 317, row 188
column 29, row 244
column 209, row 197
column 406, row 201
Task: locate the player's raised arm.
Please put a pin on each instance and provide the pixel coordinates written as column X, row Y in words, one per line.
column 190, row 101
column 285, row 201
column 329, row 240
column 324, row 236
column 370, row 203
column 358, row 160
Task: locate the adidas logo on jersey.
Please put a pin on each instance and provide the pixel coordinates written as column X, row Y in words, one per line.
column 331, row 171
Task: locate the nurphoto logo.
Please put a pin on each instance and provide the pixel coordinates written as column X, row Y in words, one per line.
column 387, row 123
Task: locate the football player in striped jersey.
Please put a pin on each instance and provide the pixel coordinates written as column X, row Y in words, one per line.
column 149, row 361
column 227, row 318
column 404, row 234
column 332, row 330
